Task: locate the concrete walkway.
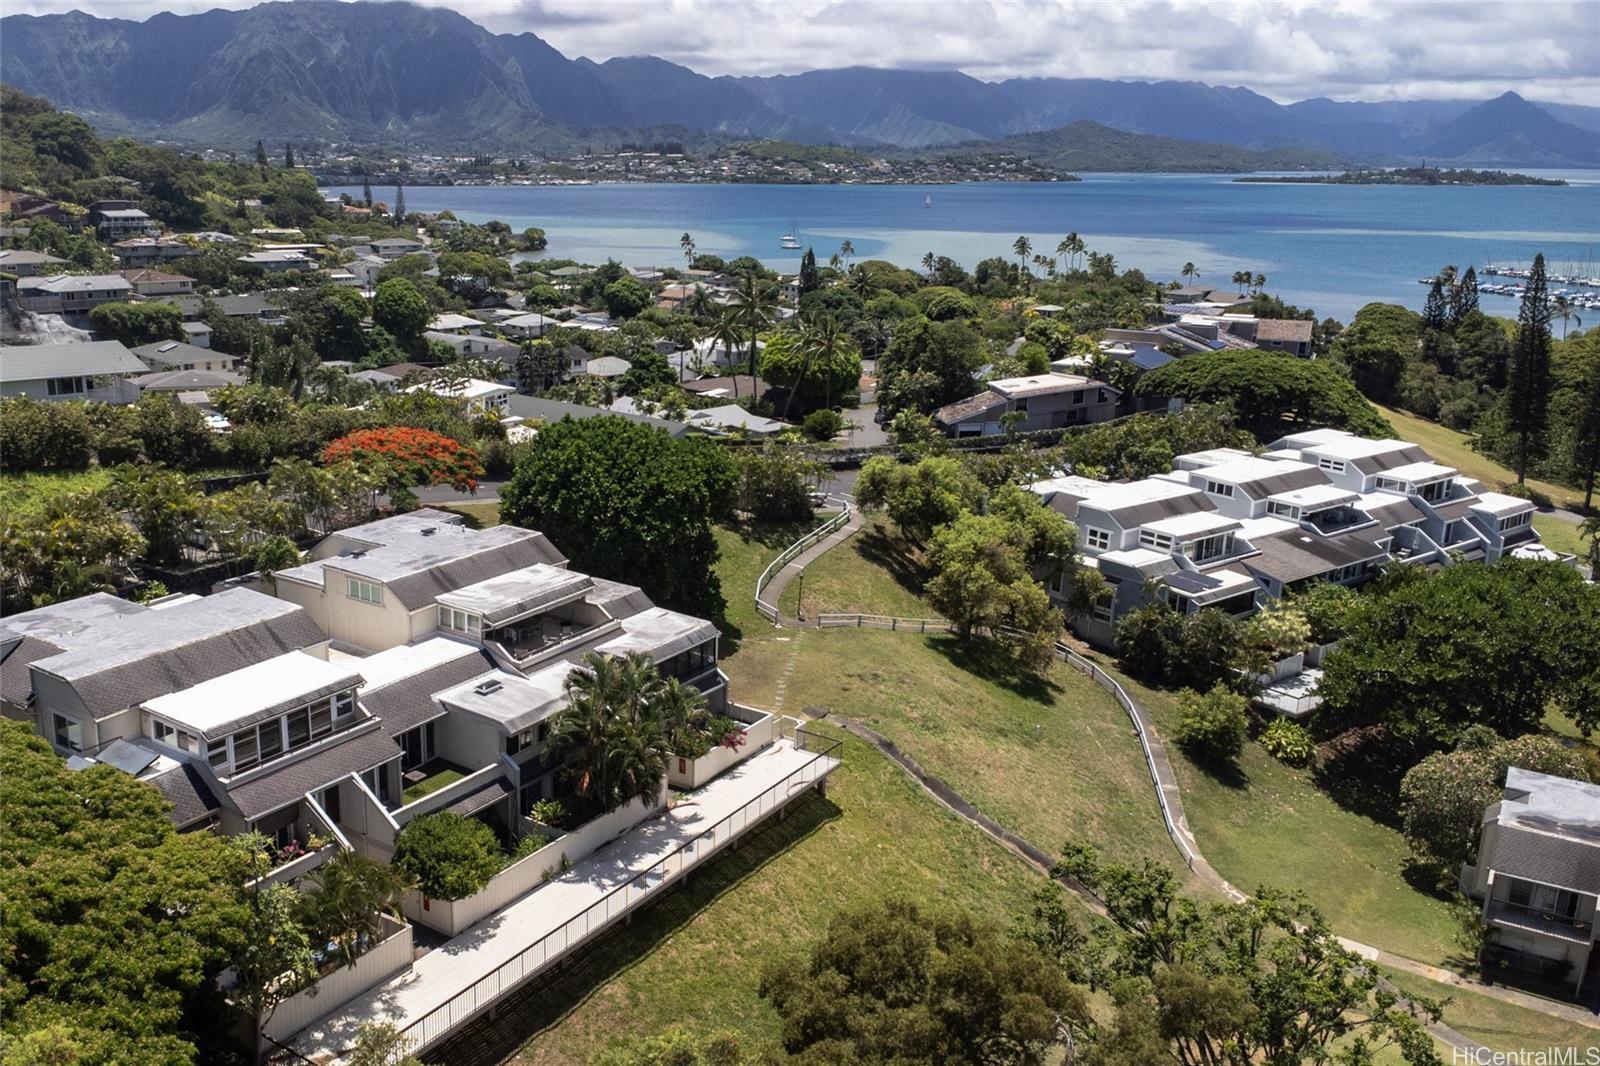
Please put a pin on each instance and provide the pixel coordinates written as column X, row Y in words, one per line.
column 499, row 944
column 772, row 595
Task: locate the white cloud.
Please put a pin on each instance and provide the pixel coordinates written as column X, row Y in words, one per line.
column 1287, row 49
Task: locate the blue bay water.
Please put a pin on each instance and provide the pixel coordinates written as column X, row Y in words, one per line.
column 1328, row 247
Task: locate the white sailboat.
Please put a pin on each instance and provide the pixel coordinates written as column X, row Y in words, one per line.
column 788, row 240
column 927, row 201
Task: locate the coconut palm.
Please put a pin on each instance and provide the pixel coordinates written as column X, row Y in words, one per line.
column 847, row 251
column 1022, row 248
column 726, row 332
column 611, row 734
column 686, row 242
column 683, row 713
column 344, row 898
column 860, row 282
column 275, row 553
column 927, row 262
column 1189, row 272
column 1562, row 307
column 823, row 341
column 1258, row 282
column 754, row 301
column 1241, row 278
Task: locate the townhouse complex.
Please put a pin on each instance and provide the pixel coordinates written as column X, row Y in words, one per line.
column 1228, row 529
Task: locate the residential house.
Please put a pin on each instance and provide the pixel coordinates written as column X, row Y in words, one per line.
column 454, row 323
column 197, row 334
column 1043, row 401
column 486, row 349
column 392, row 247
column 530, row 326
column 478, row 397
column 191, row 386
column 177, row 355
column 1537, row 877
column 731, row 418
column 139, row 252
column 1292, row 335
column 80, row 370
column 70, row 294
column 364, row 269
column 278, row 262
column 606, row 366
column 147, row 282
column 26, row 264
column 1230, row 529
column 116, row 219
column 538, row 409
column 262, row 305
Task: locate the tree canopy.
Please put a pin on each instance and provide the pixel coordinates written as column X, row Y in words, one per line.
column 1271, row 393
column 629, row 503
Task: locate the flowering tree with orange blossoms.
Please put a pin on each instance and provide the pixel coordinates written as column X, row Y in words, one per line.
column 409, row 456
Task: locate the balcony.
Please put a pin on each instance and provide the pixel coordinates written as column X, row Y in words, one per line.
column 534, row 637
column 1546, row 923
column 429, row 778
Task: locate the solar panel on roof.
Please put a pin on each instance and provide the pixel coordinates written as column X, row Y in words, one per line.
column 129, row 758
column 167, row 347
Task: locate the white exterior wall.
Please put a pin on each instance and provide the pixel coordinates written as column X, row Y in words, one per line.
column 382, row 961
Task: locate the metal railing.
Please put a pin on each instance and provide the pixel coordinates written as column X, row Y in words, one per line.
column 884, row 621
column 599, row 915
column 785, row 557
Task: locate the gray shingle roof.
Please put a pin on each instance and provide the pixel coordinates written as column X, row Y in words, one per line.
column 16, row 683
column 1545, row 858
column 191, row 797
column 36, row 362
column 1297, row 555
column 961, row 410
column 408, row 702
column 284, row 785
column 1262, row 487
column 420, row 589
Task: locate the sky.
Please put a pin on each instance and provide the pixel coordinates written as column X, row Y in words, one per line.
column 1546, row 50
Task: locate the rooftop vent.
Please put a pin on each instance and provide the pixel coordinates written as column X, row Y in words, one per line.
column 484, row 688
column 358, row 553
column 428, row 531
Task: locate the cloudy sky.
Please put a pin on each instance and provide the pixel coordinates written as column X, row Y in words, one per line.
column 1347, row 49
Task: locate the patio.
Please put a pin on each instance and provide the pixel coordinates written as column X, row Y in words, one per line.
column 428, row 778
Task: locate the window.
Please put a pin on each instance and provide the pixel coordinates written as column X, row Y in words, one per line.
column 163, row 732
column 66, row 386
column 217, row 754
column 69, row 733
column 365, row 591
column 1335, row 466
column 299, row 727
column 344, row 705
column 460, row 621
column 271, row 739
column 1434, row 491
column 1077, row 396
column 1217, row 488
column 1285, row 510
column 1098, row 539
column 245, row 750
column 1151, row 539
column 1212, row 547
column 189, row 742
column 1020, row 404
column 1391, row 484
column 321, row 721
column 1516, row 521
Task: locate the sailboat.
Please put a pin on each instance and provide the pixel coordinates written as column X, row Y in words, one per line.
column 788, row 240
column 927, row 201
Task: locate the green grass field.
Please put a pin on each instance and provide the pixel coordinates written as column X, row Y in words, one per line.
column 484, row 512
column 873, row 572
column 695, row 957
column 1494, row 1023
column 1273, row 825
column 1451, row 447
column 22, row 494
column 744, row 551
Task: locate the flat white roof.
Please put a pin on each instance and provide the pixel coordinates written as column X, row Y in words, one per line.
column 1113, row 495
column 1423, row 471
column 213, row 706
column 1035, row 384
column 1142, row 559
column 408, row 660
column 1348, row 447
column 470, row 389
column 1501, row 505
column 454, row 321
column 1266, row 526
column 1238, row 471
column 1213, row 457
column 1316, row 496
column 510, row 700
column 1194, row 524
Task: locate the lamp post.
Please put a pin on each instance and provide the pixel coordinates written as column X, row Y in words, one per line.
column 800, row 597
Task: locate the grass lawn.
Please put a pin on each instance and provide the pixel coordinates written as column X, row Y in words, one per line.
column 437, row 778
column 1273, row 825
column 485, row 512
column 1561, row 535
column 694, row 958
column 1450, row 447
column 743, row 552
column 1495, row 1023
column 22, row 494
column 871, row 573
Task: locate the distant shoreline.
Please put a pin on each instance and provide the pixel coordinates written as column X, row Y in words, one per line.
column 1410, row 176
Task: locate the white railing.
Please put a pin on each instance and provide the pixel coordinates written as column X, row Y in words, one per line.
column 884, row 621
column 600, row 915
column 785, row 557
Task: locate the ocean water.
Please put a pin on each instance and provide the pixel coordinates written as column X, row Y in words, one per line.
column 1328, row 247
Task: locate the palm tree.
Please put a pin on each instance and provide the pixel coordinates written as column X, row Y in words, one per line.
column 1589, row 529
column 753, row 302
column 847, row 250
column 683, row 713
column 927, row 262
column 1241, row 278
column 686, row 242
column 821, row 341
column 273, row 554
column 1258, row 282
column 1189, row 272
column 1066, row 248
column 1562, row 307
column 726, row 333
column 612, row 733
column 860, row 282
column 1022, row 248
column 834, row 261
column 344, row 898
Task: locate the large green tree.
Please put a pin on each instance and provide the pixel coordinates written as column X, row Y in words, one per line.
column 398, row 307
column 919, row 497
column 1376, row 346
column 629, row 503
column 115, row 925
column 1470, row 645
column 137, row 324
column 1527, row 397
column 1271, row 392
column 894, row 983
column 816, row 364
column 928, row 364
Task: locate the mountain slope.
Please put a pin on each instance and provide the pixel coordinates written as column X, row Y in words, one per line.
column 386, row 72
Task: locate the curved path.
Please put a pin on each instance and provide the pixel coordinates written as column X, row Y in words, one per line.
column 1170, row 799
column 771, row 594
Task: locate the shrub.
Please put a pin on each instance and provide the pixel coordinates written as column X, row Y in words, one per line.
column 450, row 856
column 1288, row 742
column 822, row 424
column 547, row 811
column 409, row 456
column 527, row 846
column 1213, row 724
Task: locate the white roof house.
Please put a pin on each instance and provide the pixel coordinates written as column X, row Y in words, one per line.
column 253, row 692
column 82, row 370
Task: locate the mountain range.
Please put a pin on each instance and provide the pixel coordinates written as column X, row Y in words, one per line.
column 392, row 73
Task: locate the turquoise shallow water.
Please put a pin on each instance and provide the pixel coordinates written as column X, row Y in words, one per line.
column 1328, row 247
